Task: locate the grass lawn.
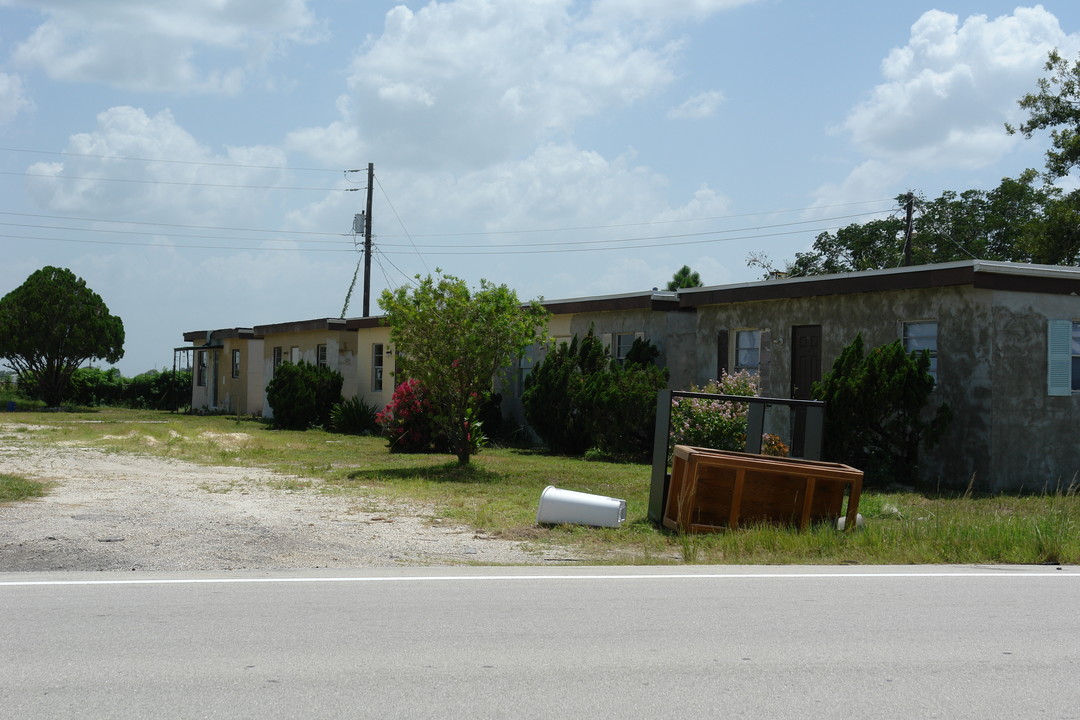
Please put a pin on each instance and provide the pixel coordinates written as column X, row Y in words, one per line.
column 499, row 492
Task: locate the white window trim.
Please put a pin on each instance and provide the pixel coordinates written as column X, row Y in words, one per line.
column 933, row 353
column 378, row 363
column 735, row 366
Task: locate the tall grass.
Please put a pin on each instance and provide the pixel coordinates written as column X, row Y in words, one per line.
column 499, row 491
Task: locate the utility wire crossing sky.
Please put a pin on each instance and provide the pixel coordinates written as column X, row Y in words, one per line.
column 196, row 163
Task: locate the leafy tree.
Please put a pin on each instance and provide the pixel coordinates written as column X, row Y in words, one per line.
column 876, row 410
column 1020, row 220
column 684, row 278
column 454, row 341
column 303, row 395
column 50, row 325
column 1056, row 106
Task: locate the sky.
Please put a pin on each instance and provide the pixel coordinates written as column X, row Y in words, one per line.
column 192, row 161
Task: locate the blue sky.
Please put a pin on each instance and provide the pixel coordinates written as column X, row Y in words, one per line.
column 187, row 159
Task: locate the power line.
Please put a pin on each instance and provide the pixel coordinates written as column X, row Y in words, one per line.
column 660, row 237
column 175, row 182
column 173, row 225
column 402, row 224
column 636, row 247
column 503, row 251
column 170, row 234
column 655, row 222
column 163, row 245
column 173, row 162
column 410, row 235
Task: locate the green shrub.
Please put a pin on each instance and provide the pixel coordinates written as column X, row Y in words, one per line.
column 93, row 387
column 407, row 420
column 552, row 389
column 354, row 417
column 578, row 399
column 876, row 411
column 303, row 395
column 153, row 390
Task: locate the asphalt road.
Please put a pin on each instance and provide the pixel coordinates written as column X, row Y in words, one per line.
column 942, row 642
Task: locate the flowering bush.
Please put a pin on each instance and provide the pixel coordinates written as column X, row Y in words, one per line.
column 773, row 445
column 711, row 423
column 408, row 421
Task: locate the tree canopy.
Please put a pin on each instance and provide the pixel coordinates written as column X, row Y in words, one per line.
column 1021, row 220
column 454, row 341
column 1056, row 106
column 684, row 278
column 50, row 325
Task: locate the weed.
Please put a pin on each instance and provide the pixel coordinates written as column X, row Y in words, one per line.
column 13, row 487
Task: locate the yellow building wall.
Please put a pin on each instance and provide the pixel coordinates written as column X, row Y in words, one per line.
column 341, row 355
column 368, row 387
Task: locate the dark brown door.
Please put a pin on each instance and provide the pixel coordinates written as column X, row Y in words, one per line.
column 805, row 371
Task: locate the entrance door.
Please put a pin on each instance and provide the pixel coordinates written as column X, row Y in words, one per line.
column 805, row 371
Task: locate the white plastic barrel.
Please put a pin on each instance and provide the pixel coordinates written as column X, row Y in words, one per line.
column 568, row 506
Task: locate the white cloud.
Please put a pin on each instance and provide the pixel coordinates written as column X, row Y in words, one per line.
column 872, row 179
column 950, row 89
column 660, row 11
column 193, row 193
column 699, row 106
column 13, row 99
column 476, row 81
column 157, row 44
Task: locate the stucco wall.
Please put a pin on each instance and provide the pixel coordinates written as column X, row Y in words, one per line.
column 1035, row 438
column 964, row 356
column 341, row 350
column 365, row 338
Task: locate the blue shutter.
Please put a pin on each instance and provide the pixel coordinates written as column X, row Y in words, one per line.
column 1058, row 358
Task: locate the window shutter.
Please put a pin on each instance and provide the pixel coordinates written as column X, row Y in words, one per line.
column 1058, row 359
column 606, row 339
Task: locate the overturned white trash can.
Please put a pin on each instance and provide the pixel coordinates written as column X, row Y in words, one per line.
column 568, row 506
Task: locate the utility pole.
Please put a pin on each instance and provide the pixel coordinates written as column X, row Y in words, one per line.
column 910, row 208
column 367, row 241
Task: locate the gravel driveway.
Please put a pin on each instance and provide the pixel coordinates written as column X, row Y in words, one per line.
column 109, row 511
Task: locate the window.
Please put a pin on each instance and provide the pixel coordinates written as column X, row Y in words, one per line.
column 200, row 374
column 623, row 343
column 320, row 355
column 524, row 367
column 277, row 358
column 376, row 367
column 919, row 336
column 294, row 355
column 748, row 351
column 236, row 363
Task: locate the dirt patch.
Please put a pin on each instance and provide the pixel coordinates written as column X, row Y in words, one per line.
column 109, row 511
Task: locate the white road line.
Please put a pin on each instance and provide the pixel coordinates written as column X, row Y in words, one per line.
column 504, row 578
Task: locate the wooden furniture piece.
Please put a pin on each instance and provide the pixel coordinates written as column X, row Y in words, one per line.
column 714, row 489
